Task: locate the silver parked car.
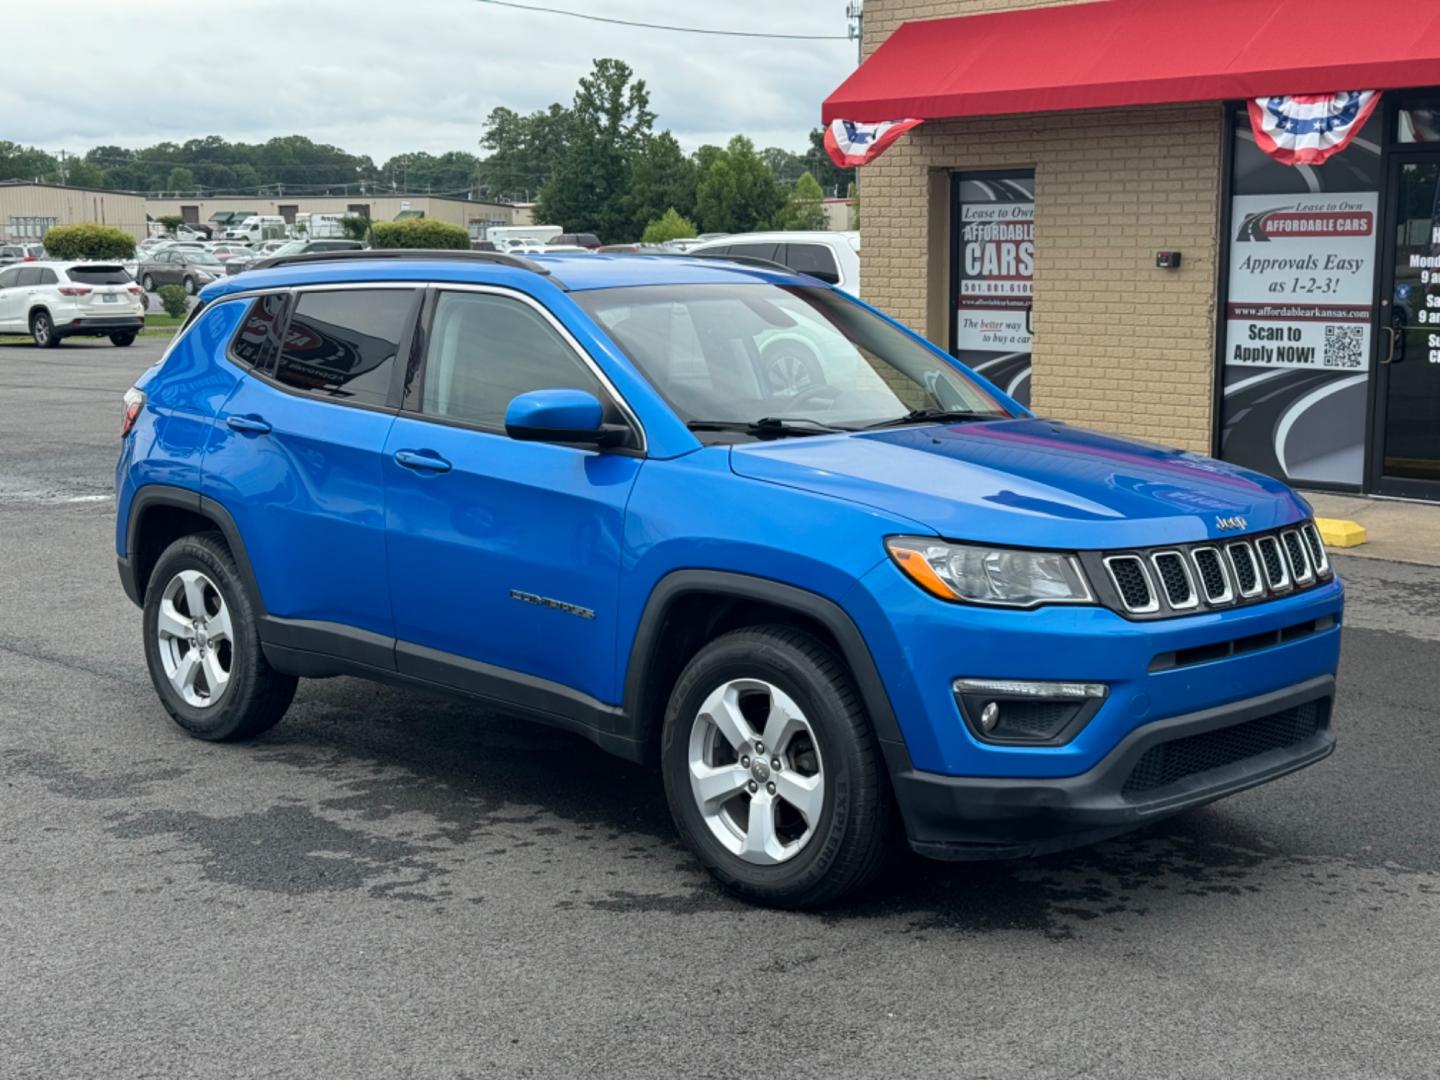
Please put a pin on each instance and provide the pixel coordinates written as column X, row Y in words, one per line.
column 175, row 265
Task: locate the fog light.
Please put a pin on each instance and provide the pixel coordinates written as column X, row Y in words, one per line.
column 1025, row 711
column 989, row 716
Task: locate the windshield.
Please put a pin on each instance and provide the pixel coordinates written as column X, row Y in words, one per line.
column 743, row 353
column 293, row 247
column 201, row 258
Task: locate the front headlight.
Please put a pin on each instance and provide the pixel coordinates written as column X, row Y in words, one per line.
column 1003, row 577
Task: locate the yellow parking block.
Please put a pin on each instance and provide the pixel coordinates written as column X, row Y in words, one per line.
column 1339, row 533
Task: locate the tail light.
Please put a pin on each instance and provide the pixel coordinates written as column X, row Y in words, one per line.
column 75, row 290
column 134, row 290
column 134, row 402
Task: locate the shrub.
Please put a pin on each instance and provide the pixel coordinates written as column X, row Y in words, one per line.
column 171, row 222
column 88, row 242
column 671, row 225
column 174, row 300
column 355, row 226
column 419, row 233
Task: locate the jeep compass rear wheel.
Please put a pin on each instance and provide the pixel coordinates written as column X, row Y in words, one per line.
column 771, row 769
column 203, row 648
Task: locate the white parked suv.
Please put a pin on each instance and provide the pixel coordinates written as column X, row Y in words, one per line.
column 55, row 300
column 832, row 257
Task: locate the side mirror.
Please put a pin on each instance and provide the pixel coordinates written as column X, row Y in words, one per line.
column 563, row 416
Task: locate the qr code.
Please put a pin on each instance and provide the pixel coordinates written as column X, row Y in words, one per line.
column 1344, row 347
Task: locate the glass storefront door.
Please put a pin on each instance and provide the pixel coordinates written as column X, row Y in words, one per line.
column 1405, row 455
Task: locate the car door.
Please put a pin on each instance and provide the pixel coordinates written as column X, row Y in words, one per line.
column 503, row 554
column 296, row 458
column 10, row 299
column 163, row 269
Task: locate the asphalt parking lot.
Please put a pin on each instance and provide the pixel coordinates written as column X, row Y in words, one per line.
column 391, row 884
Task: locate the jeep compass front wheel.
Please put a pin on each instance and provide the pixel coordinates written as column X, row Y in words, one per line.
column 772, row 772
column 202, row 645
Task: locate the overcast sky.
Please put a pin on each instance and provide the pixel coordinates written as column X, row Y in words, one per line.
column 381, row 76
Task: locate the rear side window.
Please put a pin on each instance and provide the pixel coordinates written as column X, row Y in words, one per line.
column 48, row 277
column 257, row 342
column 343, row 344
column 757, row 251
column 815, row 259
column 484, row 351
column 98, row 275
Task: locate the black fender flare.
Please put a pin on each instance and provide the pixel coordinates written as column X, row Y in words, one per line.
column 152, row 495
column 826, row 612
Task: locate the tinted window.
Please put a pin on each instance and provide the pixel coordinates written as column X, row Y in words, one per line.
column 9, row 278
column 29, row 275
column 98, row 275
column 48, row 277
column 812, row 259
column 757, row 251
column 485, row 350
column 343, row 344
column 258, row 339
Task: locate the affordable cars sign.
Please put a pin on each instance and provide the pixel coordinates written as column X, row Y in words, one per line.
column 1302, row 279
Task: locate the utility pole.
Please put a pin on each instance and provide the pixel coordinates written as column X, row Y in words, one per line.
column 855, row 17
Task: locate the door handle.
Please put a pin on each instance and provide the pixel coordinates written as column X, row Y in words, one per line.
column 1389, row 357
column 422, row 461
column 251, row 424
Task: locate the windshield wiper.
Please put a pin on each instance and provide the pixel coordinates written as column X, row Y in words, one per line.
column 927, row 416
column 768, row 426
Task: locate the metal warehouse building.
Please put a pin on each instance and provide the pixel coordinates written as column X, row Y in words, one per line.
column 28, row 211
column 1216, row 225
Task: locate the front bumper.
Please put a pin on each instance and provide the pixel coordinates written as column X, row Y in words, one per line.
column 100, row 324
column 949, row 817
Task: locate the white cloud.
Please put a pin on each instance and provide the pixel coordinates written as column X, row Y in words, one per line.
column 380, row 76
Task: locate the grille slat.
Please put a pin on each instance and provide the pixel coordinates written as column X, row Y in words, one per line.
column 1276, row 576
column 1179, row 759
column 1210, row 568
column 1133, row 583
column 1319, row 557
column 1299, row 560
column 1247, row 570
column 1175, row 579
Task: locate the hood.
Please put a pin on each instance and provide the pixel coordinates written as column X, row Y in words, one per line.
column 1028, row 483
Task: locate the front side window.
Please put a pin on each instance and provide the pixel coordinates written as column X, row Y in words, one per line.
column 747, row 353
column 9, row 278
column 485, row 350
column 343, row 343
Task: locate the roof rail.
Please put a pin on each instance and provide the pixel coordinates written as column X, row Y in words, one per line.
column 498, row 258
column 745, row 260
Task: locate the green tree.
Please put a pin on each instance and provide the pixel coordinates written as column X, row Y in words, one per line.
column 786, row 166
column 661, row 178
column 611, row 124
column 355, row 226
column 180, row 179
column 804, row 207
column 26, row 162
column 525, row 151
column 85, row 174
column 737, row 193
column 171, row 222
column 831, row 177
column 670, row 225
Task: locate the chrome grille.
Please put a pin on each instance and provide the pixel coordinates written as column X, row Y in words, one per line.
column 1210, row 570
column 1319, row 557
column 1132, row 583
column 1276, row 576
column 1174, row 577
column 1299, row 560
column 1246, row 569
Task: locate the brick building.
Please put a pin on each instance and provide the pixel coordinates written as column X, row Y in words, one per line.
column 1066, row 145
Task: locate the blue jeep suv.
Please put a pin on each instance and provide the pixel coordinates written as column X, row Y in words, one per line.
column 728, row 520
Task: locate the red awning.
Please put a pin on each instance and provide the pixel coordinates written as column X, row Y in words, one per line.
column 1111, row 53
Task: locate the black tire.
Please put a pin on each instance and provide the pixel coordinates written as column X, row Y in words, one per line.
column 42, row 330
column 256, row 695
column 122, row 341
column 147, row 283
column 853, row 838
column 189, row 284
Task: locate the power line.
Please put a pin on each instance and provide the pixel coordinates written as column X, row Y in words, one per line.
column 663, row 26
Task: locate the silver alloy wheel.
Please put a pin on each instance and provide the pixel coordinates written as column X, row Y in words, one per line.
column 755, row 771
column 40, row 330
column 197, row 645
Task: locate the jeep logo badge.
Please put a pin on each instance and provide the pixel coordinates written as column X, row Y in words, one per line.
column 1229, row 524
